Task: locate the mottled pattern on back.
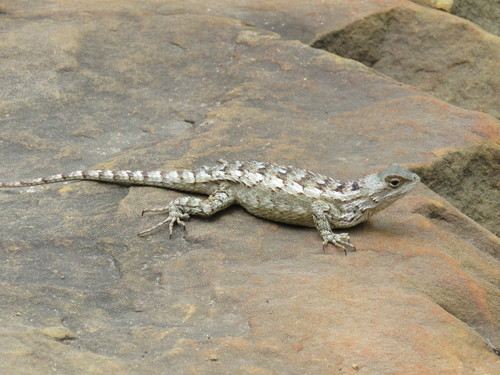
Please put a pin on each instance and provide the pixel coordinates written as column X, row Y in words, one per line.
column 275, row 177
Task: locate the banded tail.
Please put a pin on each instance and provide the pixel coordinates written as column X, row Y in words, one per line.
column 187, row 180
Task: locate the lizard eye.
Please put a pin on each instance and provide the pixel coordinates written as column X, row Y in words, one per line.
column 394, row 182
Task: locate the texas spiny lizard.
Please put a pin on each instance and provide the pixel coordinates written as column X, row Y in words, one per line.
column 274, row 192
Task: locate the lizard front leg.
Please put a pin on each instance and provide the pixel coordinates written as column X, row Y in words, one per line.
column 181, row 208
column 321, row 211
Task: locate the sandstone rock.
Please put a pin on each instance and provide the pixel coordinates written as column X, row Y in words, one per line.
column 441, row 54
column 485, row 13
column 469, row 179
column 445, row 5
column 152, row 85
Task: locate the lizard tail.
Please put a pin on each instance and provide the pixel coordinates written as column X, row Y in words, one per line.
column 181, row 179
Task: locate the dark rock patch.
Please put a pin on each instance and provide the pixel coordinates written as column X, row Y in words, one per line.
column 443, row 55
column 485, row 13
column 469, row 179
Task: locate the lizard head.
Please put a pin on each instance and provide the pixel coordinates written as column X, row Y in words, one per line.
column 390, row 184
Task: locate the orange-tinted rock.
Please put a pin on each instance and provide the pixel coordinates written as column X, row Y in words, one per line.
column 131, row 85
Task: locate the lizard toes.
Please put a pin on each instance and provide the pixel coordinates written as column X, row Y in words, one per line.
column 340, row 240
column 172, row 219
column 156, row 209
column 176, row 218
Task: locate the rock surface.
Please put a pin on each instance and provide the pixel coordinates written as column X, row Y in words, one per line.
column 167, row 84
column 444, row 55
column 468, row 179
column 485, row 13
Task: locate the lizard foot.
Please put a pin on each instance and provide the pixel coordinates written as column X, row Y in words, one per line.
column 340, row 240
column 175, row 216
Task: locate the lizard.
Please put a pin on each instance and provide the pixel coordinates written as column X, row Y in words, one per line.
column 274, row 192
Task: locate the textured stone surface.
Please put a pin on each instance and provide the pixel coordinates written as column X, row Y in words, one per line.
column 447, row 56
column 485, row 13
column 445, row 5
column 164, row 85
column 469, row 179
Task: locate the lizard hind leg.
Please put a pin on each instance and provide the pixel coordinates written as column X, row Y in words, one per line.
column 182, row 208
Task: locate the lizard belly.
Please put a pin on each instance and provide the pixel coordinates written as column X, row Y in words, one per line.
column 275, row 205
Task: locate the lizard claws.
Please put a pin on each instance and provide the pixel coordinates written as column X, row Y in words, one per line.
column 339, row 240
column 176, row 220
column 174, row 217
